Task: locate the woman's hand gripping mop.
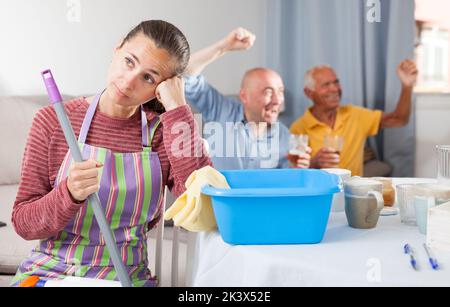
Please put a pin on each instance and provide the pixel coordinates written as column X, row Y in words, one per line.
column 193, row 210
column 56, row 101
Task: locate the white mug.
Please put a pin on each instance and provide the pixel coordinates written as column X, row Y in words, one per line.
column 338, row 204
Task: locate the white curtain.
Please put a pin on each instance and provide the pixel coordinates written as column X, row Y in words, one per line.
column 304, row 33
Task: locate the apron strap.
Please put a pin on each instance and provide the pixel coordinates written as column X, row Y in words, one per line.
column 88, row 119
column 147, row 130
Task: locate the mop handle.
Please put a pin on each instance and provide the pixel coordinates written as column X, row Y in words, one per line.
column 55, row 99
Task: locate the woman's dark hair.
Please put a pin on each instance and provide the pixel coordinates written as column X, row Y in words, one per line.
column 166, row 36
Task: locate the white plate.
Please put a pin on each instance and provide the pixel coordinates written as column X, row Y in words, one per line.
column 386, row 211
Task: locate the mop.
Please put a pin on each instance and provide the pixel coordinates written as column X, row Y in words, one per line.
column 56, row 101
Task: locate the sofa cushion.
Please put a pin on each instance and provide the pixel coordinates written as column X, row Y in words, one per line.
column 13, row 249
column 16, row 115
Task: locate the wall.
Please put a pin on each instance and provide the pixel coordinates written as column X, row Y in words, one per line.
column 432, row 128
column 75, row 38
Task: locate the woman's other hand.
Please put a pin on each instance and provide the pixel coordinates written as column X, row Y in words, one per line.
column 83, row 179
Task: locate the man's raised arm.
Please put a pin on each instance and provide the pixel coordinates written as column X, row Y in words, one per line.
column 238, row 39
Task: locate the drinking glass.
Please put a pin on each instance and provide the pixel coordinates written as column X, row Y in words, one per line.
column 334, row 141
column 443, row 161
column 298, row 144
column 405, row 198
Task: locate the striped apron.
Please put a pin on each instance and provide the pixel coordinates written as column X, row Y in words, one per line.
column 130, row 194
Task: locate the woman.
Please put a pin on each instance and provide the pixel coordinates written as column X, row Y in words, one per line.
column 127, row 144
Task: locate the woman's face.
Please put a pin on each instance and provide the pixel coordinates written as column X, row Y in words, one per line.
column 137, row 68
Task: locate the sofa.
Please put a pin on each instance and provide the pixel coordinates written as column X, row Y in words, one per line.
column 16, row 114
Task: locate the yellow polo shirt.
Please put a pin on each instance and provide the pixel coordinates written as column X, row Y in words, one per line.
column 354, row 123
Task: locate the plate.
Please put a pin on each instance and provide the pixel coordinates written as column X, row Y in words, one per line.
column 386, row 211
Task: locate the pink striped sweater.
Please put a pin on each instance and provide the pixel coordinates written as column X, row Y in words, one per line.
column 40, row 211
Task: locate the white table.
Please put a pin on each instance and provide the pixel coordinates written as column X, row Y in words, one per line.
column 345, row 257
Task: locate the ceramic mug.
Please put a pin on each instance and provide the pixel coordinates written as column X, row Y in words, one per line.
column 363, row 202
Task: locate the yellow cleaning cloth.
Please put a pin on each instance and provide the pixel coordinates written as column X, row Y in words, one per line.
column 193, row 210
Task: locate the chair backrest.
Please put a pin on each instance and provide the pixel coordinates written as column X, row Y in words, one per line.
column 159, row 248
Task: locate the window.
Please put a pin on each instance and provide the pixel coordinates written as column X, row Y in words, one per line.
column 432, row 50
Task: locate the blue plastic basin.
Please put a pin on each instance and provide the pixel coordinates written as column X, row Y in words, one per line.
column 274, row 206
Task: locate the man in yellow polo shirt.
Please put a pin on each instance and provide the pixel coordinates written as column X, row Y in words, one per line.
column 354, row 124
